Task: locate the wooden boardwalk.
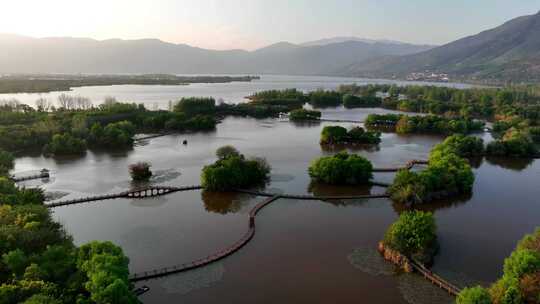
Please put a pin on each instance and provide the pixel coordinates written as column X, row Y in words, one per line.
column 138, row 193
column 165, row 271
column 31, row 177
column 408, row 166
column 435, row 279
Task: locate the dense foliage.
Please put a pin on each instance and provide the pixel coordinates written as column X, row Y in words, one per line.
column 446, row 175
column 140, row 171
column 7, row 161
column 354, row 101
column 232, row 171
column 382, row 120
column 303, row 114
column 113, row 135
column 322, row 98
column 461, row 145
column 65, row 144
column 514, row 143
column 332, row 135
column 196, row 106
column 341, row 169
column 437, row 125
column 520, row 283
column 414, row 234
column 289, row 98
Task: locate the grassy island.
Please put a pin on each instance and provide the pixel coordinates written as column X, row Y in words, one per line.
column 520, row 283
column 232, row 171
column 341, row 169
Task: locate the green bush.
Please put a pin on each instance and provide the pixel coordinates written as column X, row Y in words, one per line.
column 7, row 161
column 414, row 233
column 515, row 143
column 113, row 135
column 341, row 169
column 234, row 171
column 322, row 98
column 474, row 295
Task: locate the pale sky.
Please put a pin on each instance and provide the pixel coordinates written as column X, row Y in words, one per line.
column 249, row 24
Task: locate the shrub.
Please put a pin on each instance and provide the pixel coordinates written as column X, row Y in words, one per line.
column 322, row 98
column 118, row 134
column 140, row 171
column 341, row 169
column 515, row 143
column 473, row 295
column 234, row 171
column 414, row 233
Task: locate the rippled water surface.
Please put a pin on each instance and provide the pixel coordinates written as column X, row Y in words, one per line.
column 303, row 251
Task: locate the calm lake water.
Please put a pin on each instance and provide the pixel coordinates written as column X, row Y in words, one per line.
column 303, row 251
column 159, row 96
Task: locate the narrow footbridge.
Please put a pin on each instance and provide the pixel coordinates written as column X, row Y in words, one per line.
column 408, row 166
column 313, row 197
column 434, row 278
column 143, row 276
column 42, row 174
column 152, row 191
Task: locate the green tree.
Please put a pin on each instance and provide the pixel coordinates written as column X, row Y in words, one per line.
column 414, row 233
column 473, row 295
column 341, row 169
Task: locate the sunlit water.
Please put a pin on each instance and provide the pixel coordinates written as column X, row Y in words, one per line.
column 303, row 251
column 159, row 96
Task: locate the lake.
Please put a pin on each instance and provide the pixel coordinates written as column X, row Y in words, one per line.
column 303, row 251
column 159, row 96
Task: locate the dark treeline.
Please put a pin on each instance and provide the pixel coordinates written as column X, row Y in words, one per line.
column 50, row 83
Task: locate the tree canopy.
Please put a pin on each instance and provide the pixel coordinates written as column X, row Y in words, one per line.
column 341, row 169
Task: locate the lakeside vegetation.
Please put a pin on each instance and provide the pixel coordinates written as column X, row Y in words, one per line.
column 233, row 171
column 341, row 169
column 336, row 135
column 49, row 83
column 520, row 282
column 140, row 171
column 39, row 262
column 303, row 114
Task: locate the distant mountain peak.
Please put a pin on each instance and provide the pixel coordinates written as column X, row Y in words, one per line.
column 341, row 39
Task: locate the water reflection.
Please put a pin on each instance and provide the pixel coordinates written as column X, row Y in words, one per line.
column 515, row 164
column 305, row 124
column 434, row 205
column 224, row 202
column 319, row 189
column 350, row 148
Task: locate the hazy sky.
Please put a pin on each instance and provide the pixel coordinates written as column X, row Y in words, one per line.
column 226, row 24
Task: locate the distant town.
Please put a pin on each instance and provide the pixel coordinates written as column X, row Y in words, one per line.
column 428, row 76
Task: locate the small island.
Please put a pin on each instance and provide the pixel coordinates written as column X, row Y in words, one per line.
column 304, row 115
column 336, row 135
column 233, row 171
column 341, row 169
column 412, row 236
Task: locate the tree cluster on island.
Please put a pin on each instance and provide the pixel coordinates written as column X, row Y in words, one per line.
column 447, row 174
column 413, row 235
column 140, row 171
column 341, row 169
column 233, row 171
column 336, row 135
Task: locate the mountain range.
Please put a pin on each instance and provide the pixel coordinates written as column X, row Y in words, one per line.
column 510, row 52
column 80, row 55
